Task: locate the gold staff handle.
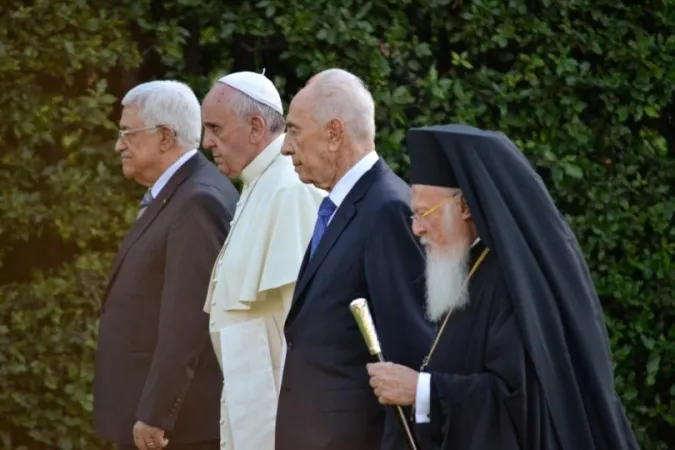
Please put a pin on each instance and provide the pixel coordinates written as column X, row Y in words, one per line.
column 364, row 320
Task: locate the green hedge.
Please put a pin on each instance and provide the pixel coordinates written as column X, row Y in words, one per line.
column 585, row 88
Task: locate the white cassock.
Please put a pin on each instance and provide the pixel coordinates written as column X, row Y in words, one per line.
column 251, row 291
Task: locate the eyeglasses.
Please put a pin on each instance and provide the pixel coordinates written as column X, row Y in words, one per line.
column 124, row 133
column 418, row 217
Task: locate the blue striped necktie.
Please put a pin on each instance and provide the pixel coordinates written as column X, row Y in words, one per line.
column 145, row 201
column 326, row 210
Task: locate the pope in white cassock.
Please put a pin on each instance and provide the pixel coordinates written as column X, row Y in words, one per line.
column 254, row 276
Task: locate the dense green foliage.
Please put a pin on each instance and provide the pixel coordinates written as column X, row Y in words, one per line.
column 585, row 88
column 61, row 213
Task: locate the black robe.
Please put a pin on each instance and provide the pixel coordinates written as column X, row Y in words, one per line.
column 541, row 279
column 484, row 390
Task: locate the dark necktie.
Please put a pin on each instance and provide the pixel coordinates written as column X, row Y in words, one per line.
column 326, row 210
column 145, row 201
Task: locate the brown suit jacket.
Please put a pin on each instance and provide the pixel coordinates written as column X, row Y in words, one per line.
column 154, row 360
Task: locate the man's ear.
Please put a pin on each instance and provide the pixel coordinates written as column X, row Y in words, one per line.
column 464, row 207
column 167, row 139
column 257, row 129
column 335, row 132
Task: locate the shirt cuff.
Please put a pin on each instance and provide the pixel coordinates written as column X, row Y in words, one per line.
column 422, row 399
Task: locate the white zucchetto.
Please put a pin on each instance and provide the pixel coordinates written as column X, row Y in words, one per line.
column 257, row 86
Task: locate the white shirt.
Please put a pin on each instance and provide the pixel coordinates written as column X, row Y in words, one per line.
column 166, row 176
column 349, row 180
column 422, row 398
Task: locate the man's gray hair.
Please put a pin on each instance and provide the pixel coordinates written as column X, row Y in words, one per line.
column 170, row 103
column 341, row 94
column 244, row 106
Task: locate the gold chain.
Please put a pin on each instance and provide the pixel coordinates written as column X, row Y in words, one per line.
column 427, row 358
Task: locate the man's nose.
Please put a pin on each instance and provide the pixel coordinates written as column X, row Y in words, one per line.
column 209, row 143
column 119, row 145
column 417, row 229
column 286, row 148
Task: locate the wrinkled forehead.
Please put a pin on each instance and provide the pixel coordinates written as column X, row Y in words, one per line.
column 216, row 107
column 217, row 96
column 299, row 111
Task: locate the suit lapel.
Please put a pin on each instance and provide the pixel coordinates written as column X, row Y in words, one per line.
column 303, row 266
column 343, row 216
column 142, row 224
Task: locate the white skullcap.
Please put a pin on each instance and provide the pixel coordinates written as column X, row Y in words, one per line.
column 256, row 86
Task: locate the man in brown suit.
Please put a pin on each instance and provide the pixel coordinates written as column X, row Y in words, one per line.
column 157, row 379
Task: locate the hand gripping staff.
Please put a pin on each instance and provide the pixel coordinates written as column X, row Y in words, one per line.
column 364, row 320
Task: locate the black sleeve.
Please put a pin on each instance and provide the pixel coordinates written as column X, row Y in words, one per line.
column 487, row 409
column 193, row 244
column 395, row 267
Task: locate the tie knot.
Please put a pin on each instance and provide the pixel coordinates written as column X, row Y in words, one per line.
column 327, row 207
column 147, row 198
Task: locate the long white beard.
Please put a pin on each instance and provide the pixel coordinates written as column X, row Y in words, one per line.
column 446, row 282
column 447, row 269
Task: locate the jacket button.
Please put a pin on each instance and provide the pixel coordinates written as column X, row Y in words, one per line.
column 289, row 344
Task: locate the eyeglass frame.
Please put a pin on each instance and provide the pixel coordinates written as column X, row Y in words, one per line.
column 419, row 217
column 122, row 134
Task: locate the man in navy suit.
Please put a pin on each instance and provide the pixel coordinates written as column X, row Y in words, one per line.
column 362, row 246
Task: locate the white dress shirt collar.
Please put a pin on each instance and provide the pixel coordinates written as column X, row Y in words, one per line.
column 348, row 180
column 166, row 176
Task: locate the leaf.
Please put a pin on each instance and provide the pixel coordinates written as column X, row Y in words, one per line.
column 573, row 171
column 652, row 111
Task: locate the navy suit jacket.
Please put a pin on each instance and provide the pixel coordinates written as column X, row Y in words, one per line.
column 369, row 251
column 154, row 359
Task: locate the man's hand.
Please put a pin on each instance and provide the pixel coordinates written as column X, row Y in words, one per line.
column 393, row 384
column 149, row 438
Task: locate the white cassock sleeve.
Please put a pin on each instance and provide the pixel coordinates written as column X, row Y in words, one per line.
column 422, row 400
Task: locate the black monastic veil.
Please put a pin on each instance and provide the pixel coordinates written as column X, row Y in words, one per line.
column 555, row 301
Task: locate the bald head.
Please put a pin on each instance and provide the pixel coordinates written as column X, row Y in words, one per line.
column 331, row 126
column 337, row 93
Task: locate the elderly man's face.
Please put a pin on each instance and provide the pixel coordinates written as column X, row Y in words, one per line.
column 308, row 143
column 440, row 217
column 225, row 134
column 442, row 221
column 139, row 146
